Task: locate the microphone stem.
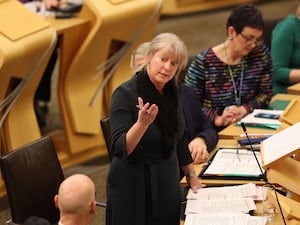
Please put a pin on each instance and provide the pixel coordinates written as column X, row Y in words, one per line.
column 262, row 173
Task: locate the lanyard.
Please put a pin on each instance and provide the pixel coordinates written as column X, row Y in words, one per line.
column 237, row 98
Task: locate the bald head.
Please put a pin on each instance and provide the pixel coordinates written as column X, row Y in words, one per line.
column 76, row 195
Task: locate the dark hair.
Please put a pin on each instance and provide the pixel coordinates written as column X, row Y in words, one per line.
column 35, row 220
column 245, row 15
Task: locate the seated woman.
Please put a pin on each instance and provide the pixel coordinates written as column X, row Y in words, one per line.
column 234, row 77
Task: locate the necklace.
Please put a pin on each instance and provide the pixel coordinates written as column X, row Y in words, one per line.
column 236, row 96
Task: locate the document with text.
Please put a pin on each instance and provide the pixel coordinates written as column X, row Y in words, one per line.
column 226, row 192
column 233, row 164
column 224, row 219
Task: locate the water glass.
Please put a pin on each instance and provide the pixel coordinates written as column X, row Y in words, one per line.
column 269, row 209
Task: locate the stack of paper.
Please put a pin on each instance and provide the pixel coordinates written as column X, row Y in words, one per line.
column 223, row 205
column 224, row 219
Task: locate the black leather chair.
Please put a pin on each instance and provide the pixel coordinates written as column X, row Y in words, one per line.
column 105, row 126
column 269, row 26
column 32, row 175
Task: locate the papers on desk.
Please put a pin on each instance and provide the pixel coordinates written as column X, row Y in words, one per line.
column 39, row 8
column 223, row 205
column 251, row 120
column 233, row 164
column 211, row 206
column 226, row 192
column 224, row 219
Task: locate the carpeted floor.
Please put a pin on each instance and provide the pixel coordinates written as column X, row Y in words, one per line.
column 199, row 31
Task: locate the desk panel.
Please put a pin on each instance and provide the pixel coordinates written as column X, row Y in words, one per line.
column 294, row 89
column 24, row 54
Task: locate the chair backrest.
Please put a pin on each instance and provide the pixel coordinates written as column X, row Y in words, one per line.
column 269, row 26
column 105, row 126
column 32, row 175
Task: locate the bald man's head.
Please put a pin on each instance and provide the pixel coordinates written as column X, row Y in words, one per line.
column 76, row 195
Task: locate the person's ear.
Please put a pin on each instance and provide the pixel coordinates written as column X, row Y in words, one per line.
column 56, row 201
column 231, row 32
column 93, row 207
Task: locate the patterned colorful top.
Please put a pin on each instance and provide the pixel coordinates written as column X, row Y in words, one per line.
column 211, row 79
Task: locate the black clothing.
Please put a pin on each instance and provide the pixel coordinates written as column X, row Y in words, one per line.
column 197, row 122
column 143, row 188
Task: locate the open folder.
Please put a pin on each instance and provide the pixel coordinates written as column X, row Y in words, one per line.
column 233, row 164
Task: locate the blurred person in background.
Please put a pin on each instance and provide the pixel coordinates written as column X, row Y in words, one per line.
column 285, row 50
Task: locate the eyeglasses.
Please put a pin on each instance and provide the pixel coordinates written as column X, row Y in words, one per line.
column 252, row 40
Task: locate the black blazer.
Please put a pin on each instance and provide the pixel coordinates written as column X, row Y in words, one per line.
column 197, row 122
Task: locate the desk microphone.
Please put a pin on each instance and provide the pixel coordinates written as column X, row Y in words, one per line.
column 251, row 147
column 263, row 174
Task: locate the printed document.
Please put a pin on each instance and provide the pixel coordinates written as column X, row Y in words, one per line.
column 237, row 163
column 224, row 219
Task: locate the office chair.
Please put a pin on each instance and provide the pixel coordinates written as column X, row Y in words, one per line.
column 105, row 126
column 32, row 174
column 268, row 28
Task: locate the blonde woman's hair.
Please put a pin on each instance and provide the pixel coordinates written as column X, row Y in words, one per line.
column 139, row 57
column 173, row 44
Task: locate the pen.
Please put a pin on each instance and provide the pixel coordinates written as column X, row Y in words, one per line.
column 147, row 111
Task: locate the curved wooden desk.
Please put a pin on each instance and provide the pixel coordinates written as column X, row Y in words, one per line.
column 24, row 53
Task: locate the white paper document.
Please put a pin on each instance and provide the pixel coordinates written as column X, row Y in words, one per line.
column 223, row 205
column 213, row 206
column 265, row 121
column 281, row 144
column 39, row 8
column 225, row 219
column 234, row 162
column 226, row 192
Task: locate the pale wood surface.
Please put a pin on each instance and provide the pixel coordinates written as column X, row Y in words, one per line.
column 294, row 89
column 175, row 7
column 235, row 131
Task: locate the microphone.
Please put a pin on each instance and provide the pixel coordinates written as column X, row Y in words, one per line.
column 263, row 174
column 251, row 147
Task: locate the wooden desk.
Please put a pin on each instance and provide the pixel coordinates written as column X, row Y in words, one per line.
column 229, row 144
column 294, row 89
column 27, row 42
column 234, row 130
